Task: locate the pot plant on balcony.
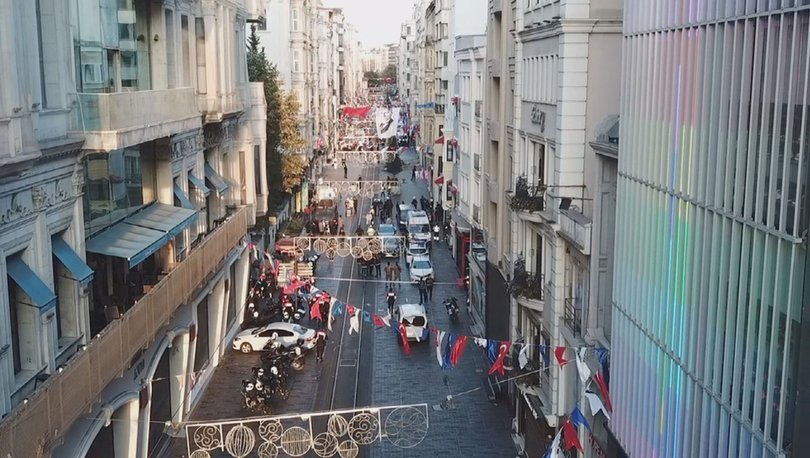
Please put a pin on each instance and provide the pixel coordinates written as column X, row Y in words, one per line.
column 526, row 284
column 527, row 198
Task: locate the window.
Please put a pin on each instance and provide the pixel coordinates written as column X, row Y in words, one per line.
column 444, row 58
column 296, row 61
column 48, row 49
column 202, row 82
column 185, row 36
column 171, row 54
column 295, row 20
column 256, row 169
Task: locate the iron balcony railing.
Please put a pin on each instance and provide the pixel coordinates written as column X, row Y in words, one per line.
column 527, row 198
column 573, row 316
column 527, row 284
column 67, row 395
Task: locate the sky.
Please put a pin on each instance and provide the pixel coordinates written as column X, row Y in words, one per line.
column 377, row 21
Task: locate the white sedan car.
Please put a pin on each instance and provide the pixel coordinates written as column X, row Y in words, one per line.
column 288, row 334
column 421, row 267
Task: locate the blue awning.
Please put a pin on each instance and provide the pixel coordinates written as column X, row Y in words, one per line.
column 41, row 295
column 198, row 183
column 165, row 218
column 183, row 198
column 72, row 262
column 216, row 180
column 127, row 241
column 142, row 234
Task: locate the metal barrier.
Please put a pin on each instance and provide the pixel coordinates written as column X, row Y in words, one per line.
column 33, row 428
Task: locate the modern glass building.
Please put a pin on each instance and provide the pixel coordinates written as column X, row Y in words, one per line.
column 711, row 253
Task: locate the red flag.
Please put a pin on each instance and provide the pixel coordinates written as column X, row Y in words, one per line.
column 403, row 334
column 350, row 309
column 315, row 309
column 458, row 349
column 559, row 352
column 503, row 349
column 600, row 380
column 378, row 321
column 570, row 439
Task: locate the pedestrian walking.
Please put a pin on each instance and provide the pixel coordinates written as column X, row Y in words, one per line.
column 413, row 174
column 369, row 218
column 389, row 273
column 422, row 290
column 392, row 299
column 360, row 182
column 323, row 307
column 429, row 284
column 414, row 203
column 378, row 265
column 320, row 344
column 345, row 171
column 396, row 273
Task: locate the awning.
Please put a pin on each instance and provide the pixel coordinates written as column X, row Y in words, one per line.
column 440, row 140
column 216, row 180
column 127, row 241
column 73, row 263
column 165, row 218
column 142, row 234
column 41, row 295
column 198, row 183
column 439, row 180
column 183, row 198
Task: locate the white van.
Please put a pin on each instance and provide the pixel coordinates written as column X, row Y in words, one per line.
column 414, row 318
column 419, row 226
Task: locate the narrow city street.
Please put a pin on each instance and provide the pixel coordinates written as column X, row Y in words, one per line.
column 370, row 368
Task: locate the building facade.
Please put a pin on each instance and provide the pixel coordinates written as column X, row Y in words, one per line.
column 405, row 64
column 470, row 57
column 133, row 164
column 374, row 59
column 709, row 333
column 548, row 198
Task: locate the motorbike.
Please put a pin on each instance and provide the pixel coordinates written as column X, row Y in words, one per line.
column 436, row 233
column 452, row 308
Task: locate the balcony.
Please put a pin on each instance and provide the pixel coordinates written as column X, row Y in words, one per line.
column 67, row 395
column 479, row 108
column 496, row 7
column 494, row 66
column 527, row 287
column 576, row 228
column 215, row 108
column 527, row 199
column 117, row 120
column 573, row 316
column 494, row 130
column 255, row 10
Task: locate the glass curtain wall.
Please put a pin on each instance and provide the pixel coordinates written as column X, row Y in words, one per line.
column 111, row 45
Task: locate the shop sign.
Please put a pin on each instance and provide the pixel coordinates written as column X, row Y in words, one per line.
column 538, row 117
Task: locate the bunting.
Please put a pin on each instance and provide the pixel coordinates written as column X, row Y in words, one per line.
column 578, row 419
column 559, row 352
column 497, row 366
column 439, row 339
column 570, row 439
column 596, row 404
column 554, row 450
column 448, row 351
column 603, row 388
column 523, row 356
column 458, row 350
column 582, row 366
column 403, row 334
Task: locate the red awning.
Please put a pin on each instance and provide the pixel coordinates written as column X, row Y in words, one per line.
column 439, row 180
column 440, row 140
column 452, row 188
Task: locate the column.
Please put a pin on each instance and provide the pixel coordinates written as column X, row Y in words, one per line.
column 178, row 371
column 158, row 38
column 216, row 318
column 125, row 430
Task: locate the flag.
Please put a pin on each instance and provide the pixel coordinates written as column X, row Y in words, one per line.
column 602, row 356
column 458, row 350
column 403, row 334
column 554, row 451
column 600, row 380
column 350, row 309
column 596, row 404
column 354, row 322
column 546, row 357
column 570, row 439
column 578, row 419
column 366, row 317
column 337, row 308
column 386, row 319
column 378, row 321
column 315, row 309
column 439, row 338
column 448, row 351
column 559, row 352
column 492, row 351
column 523, row 356
column 480, row 342
column 497, row 366
column 582, row 366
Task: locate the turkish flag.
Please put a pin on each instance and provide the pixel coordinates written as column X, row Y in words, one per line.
column 497, row 366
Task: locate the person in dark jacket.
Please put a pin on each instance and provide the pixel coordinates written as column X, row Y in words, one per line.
column 320, row 344
column 429, row 285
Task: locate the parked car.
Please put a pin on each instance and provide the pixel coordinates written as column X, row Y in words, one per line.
column 288, row 334
column 421, row 267
column 415, row 249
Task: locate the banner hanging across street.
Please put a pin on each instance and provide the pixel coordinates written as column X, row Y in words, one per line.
column 387, row 122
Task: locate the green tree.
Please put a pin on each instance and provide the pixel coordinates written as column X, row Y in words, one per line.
column 291, row 139
column 261, row 70
column 389, row 72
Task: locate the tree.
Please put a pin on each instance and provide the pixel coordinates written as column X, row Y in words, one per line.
column 291, row 139
column 389, row 72
column 292, row 169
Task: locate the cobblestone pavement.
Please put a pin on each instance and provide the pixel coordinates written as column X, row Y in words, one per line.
column 475, row 427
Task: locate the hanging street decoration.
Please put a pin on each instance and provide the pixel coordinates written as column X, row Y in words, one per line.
column 344, row 246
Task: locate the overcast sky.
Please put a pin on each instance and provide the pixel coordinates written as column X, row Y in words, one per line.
column 377, row 21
